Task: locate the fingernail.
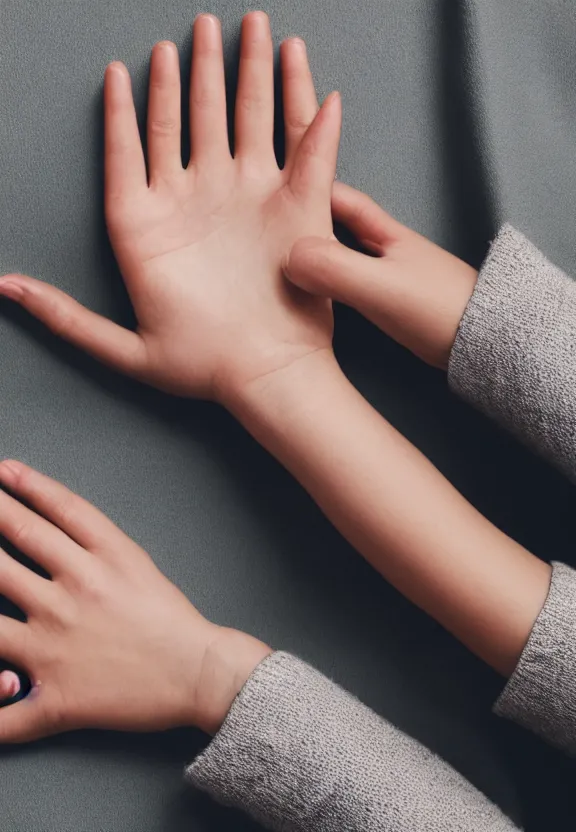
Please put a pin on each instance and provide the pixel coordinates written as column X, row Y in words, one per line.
column 298, row 43
column 259, row 16
column 11, row 290
column 9, row 471
column 208, row 17
column 166, row 44
column 9, row 684
column 118, row 69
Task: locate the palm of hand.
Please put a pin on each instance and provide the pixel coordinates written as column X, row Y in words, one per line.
column 202, row 248
column 210, row 254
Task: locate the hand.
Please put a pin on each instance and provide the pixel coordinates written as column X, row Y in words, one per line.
column 201, row 249
column 412, row 289
column 109, row 642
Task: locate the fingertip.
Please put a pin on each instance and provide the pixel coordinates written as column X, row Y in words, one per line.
column 10, row 288
column 10, row 685
column 10, row 470
column 295, row 258
column 306, row 262
column 207, row 19
column 257, row 16
column 256, row 25
column 13, row 464
column 167, row 45
column 13, row 278
column 116, row 69
column 333, row 102
column 297, row 44
column 329, row 269
column 20, row 286
column 116, row 81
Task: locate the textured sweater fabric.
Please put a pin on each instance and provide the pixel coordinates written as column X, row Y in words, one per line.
column 299, row 753
column 541, row 695
column 515, row 353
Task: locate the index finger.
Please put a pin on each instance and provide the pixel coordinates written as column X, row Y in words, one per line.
column 77, row 518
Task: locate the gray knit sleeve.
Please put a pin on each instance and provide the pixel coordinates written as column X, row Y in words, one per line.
column 302, row 755
column 514, row 356
column 541, row 694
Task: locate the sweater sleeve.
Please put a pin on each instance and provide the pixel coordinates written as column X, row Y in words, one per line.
column 299, row 753
column 541, row 694
column 514, row 356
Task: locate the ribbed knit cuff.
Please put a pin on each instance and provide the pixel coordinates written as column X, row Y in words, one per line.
column 541, row 694
column 514, row 356
column 301, row 755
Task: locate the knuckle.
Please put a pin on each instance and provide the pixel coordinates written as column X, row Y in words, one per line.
column 253, row 102
column 164, row 85
column 90, row 586
column 26, row 477
column 61, row 320
column 21, row 534
column 297, row 122
column 62, row 615
column 163, row 126
column 202, row 99
column 66, row 510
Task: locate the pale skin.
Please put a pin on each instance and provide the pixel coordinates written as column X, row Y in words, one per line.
column 205, row 251
column 109, row 642
column 411, row 288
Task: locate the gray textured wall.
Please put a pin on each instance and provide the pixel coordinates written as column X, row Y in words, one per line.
column 456, row 115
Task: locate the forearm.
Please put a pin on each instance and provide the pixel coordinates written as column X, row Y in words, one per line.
column 396, row 508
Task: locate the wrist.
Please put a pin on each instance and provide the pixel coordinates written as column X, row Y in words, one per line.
column 229, row 660
column 267, row 402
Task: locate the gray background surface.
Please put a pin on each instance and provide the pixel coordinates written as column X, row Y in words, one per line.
column 457, row 115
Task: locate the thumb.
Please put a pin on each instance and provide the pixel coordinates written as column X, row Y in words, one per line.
column 9, row 685
column 114, row 345
column 315, row 161
column 23, row 722
column 330, row 269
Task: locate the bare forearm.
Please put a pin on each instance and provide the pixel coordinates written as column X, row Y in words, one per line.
column 397, row 509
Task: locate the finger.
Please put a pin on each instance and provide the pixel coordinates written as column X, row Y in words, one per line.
column 299, row 95
column 115, row 346
column 40, row 540
column 9, row 685
column 316, row 158
column 29, row 591
column 208, row 117
column 13, row 641
column 124, row 165
column 164, row 112
column 254, row 120
column 369, row 223
column 76, row 517
column 25, row 721
column 327, row 268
